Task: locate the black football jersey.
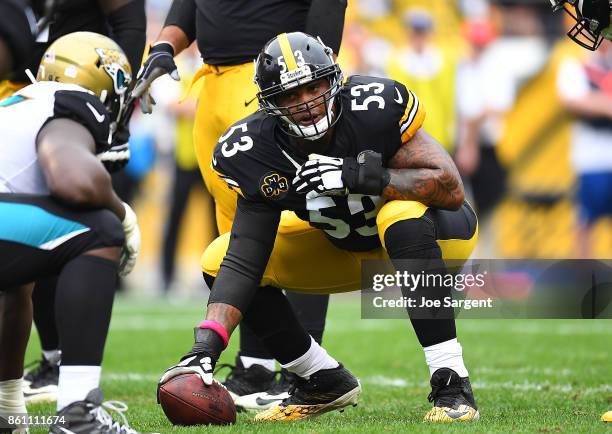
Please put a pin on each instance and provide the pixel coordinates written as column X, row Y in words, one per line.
column 256, row 160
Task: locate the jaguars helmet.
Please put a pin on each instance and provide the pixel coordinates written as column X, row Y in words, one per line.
column 92, row 61
column 592, row 20
column 294, row 59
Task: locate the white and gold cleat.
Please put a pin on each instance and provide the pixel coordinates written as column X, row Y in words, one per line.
column 452, row 397
column 325, row 390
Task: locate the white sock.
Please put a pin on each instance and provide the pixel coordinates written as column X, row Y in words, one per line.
column 53, row 356
column 247, row 362
column 446, row 355
column 313, row 360
column 75, row 382
column 12, row 400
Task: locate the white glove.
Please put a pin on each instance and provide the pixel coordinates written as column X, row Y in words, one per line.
column 201, row 364
column 131, row 247
column 320, row 176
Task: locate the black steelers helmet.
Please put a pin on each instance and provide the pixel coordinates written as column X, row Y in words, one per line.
column 592, row 20
column 290, row 60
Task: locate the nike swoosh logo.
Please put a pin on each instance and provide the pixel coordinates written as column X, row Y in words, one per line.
column 449, row 379
column 67, row 431
column 262, row 401
column 399, row 98
column 99, row 116
column 247, row 103
column 456, row 414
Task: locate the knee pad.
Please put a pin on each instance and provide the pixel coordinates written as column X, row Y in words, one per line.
column 395, row 211
column 108, row 227
column 413, row 238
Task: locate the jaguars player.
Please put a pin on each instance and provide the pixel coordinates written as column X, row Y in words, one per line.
column 60, row 216
column 593, row 21
column 351, row 159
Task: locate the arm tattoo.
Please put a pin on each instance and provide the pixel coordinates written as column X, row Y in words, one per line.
column 422, row 170
column 225, row 314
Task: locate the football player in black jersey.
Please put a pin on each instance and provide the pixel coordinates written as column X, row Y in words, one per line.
column 593, row 21
column 59, row 215
column 352, row 159
column 229, row 35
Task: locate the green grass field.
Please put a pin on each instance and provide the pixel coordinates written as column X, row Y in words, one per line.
column 528, row 376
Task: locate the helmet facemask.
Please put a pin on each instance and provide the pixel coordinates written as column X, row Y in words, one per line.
column 592, row 21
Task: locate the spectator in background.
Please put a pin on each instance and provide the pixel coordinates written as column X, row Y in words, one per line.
column 430, row 73
column 585, row 89
column 480, row 105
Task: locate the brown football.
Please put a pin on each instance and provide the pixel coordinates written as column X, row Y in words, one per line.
column 186, row 400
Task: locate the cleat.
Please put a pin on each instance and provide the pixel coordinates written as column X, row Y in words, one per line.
column 243, row 381
column 90, row 417
column 6, row 428
column 452, row 397
column 273, row 396
column 40, row 383
column 325, row 390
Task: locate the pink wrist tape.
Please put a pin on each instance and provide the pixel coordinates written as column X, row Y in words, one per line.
column 217, row 328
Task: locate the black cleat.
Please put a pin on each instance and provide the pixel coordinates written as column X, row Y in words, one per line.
column 40, row 383
column 452, row 397
column 325, row 390
column 273, row 396
column 90, row 417
column 243, row 381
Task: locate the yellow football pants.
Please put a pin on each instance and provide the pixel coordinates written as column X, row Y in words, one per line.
column 305, row 260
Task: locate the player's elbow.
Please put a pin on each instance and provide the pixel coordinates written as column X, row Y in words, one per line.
column 455, row 192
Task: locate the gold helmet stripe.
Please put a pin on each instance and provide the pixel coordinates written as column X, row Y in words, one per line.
column 285, row 47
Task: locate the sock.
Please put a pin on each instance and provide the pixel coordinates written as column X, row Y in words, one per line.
column 75, row 382
column 315, row 359
column 448, row 354
column 12, row 400
column 247, row 362
column 52, row 356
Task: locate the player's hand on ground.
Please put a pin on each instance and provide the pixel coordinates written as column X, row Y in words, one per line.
column 320, row 176
column 202, row 364
column 159, row 62
column 131, row 247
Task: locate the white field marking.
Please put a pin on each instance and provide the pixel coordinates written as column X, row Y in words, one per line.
column 379, row 380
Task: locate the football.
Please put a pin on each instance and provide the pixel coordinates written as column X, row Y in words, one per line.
column 186, row 400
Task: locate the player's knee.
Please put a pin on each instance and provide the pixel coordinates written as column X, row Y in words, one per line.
column 214, row 254
column 411, row 238
column 395, row 211
column 109, row 229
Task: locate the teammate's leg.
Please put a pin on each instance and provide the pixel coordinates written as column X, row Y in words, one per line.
column 412, row 233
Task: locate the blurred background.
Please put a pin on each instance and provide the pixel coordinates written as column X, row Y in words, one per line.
column 507, row 94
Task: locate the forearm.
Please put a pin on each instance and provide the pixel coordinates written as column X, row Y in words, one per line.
column 595, row 104
column 432, row 187
column 175, row 36
column 422, row 170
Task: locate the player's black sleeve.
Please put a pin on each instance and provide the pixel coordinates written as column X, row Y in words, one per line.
column 326, row 19
column 251, row 241
column 182, row 14
column 129, row 27
column 87, row 110
column 17, row 31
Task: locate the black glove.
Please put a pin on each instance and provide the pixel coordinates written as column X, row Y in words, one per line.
column 117, row 156
column 365, row 174
column 159, row 62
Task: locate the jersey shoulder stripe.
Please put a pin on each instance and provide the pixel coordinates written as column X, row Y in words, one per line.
column 413, row 117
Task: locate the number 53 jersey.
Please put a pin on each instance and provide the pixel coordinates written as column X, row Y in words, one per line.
column 255, row 158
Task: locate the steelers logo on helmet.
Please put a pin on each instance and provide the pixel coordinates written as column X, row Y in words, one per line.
column 92, row 61
column 287, row 62
column 593, row 20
